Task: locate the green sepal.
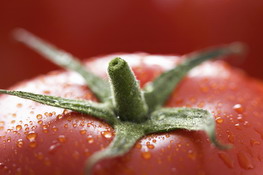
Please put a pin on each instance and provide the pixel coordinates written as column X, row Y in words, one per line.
column 158, row 91
column 126, row 135
column 97, row 85
column 101, row 111
column 194, row 119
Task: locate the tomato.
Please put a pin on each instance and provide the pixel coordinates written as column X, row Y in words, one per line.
column 88, row 28
column 38, row 139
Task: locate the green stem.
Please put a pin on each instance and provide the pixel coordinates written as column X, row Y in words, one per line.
column 128, row 100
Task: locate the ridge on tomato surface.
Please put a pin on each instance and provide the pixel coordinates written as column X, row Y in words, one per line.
column 133, row 112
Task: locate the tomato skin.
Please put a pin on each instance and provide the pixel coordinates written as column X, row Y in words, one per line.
column 60, row 144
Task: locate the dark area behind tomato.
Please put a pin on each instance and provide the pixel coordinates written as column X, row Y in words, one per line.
column 89, row 28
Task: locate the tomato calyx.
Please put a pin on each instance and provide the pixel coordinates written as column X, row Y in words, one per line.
column 132, row 112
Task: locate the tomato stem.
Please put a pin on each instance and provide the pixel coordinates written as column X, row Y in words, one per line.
column 129, row 103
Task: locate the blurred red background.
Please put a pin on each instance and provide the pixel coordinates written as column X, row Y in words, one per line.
column 96, row 27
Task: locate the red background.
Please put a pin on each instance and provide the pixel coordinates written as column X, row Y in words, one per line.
column 95, row 27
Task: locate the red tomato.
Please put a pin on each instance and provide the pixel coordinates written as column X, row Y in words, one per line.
column 38, row 139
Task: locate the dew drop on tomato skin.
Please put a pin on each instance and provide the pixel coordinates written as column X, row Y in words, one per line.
column 146, row 155
column 244, row 161
column 18, row 127
column 254, row 142
column 238, row 108
column 66, row 125
column 106, row 134
column 61, row 138
column 53, row 148
column 32, row 136
column 83, row 132
column 45, row 128
column 150, row 146
column 219, row 120
column 230, row 137
column 54, row 129
column 226, row 159
column 39, row 117
column 20, row 143
column 40, row 122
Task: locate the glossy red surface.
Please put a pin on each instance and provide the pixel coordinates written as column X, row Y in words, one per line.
column 37, row 139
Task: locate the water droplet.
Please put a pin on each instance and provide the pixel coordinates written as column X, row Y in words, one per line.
column 45, row 128
column 230, row 136
column 238, row 108
column 226, row 159
column 244, row 161
column 219, row 120
column 31, row 136
column 150, row 146
column 106, row 134
column 33, row 144
column 240, row 118
column 59, row 116
column 19, row 105
column 19, row 143
column 39, row 116
column 61, row 138
column 74, row 125
column 54, row 128
column 90, row 140
column 40, row 122
column 146, row 155
column 66, row 125
column 254, row 142
column 18, row 127
column 83, row 132
column 2, row 165
column 8, row 139
column 237, row 126
column 53, row 148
